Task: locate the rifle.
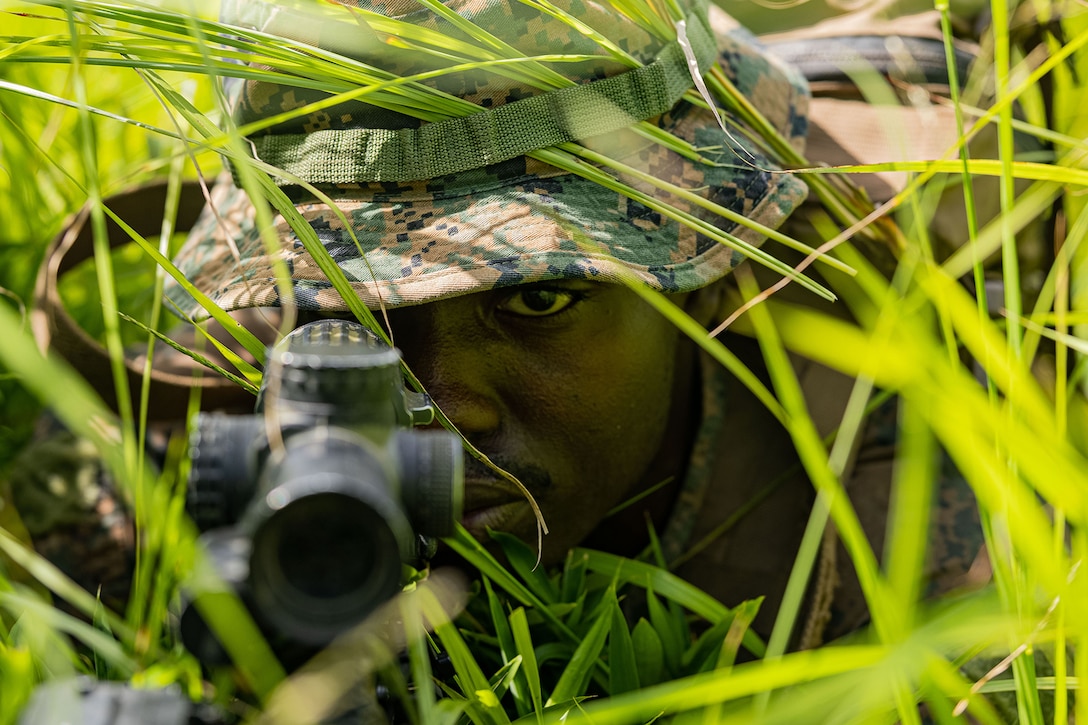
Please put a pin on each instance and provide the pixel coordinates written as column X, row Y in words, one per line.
column 310, row 506
column 308, row 509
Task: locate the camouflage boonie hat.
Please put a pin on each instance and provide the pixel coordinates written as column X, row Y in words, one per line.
column 455, row 206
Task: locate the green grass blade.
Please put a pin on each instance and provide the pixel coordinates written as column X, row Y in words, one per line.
column 102, row 644
column 509, row 650
column 473, row 552
column 622, row 666
column 667, row 585
column 200, row 359
column 668, row 632
column 582, row 663
column 519, row 627
column 56, row 581
column 524, row 562
column 725, row 685
column 649, row 653
column 483, row 706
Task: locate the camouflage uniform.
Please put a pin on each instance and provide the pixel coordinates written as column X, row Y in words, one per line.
column 510, row 219
column 771, row 491
column 514, row 220
column 72, row 513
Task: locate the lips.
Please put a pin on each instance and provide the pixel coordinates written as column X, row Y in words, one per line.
column 490, row 505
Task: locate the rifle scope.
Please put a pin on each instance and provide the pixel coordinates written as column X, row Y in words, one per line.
column 311, row 506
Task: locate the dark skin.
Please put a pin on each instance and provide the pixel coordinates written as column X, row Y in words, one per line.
column 581, row 389
column 590, row 396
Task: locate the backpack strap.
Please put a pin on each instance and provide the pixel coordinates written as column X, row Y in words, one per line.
column 844, row 128
column 919, row 124
column 827, row 59
column 142, row 209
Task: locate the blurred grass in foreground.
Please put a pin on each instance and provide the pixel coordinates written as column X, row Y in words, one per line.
column 532, row 645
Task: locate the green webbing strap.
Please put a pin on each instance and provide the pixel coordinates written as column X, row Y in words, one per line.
column 514, row 129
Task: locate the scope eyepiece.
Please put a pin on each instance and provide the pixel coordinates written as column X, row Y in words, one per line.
column 328, row 535
column 320, row 522
column 223, row 468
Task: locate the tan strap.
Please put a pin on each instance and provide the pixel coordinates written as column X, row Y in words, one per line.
column 142, row 209
column 844, row 132
column 821, row 591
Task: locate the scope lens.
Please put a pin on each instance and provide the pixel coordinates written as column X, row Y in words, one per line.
column 322, row 563
column 324, row 554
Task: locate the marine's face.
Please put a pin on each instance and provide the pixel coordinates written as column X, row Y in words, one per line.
column 580, row 389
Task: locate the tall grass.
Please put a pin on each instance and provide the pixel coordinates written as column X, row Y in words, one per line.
column 95, row 97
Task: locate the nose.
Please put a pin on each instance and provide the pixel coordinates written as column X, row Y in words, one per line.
column 445, row 348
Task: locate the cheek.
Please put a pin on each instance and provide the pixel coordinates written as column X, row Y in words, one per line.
column 595, row 414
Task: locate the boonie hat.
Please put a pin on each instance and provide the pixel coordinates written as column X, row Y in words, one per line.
column 452, row 206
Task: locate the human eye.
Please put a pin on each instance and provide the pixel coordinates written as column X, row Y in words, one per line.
column 540, row 301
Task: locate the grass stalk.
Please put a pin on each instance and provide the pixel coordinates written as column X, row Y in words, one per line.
column 103, row 266
column 1016, row 445
column 801, row 573
column 814, row 457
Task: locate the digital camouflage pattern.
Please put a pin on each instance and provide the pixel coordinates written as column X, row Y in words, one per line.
column 73, row 513
column 512, row 222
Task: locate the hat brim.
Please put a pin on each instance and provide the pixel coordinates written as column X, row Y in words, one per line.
column 517, row 222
